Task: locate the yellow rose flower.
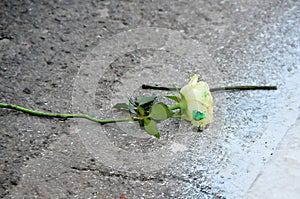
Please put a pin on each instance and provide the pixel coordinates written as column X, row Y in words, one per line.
column 197, row 102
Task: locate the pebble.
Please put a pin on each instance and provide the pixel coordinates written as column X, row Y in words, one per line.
column 27, row 90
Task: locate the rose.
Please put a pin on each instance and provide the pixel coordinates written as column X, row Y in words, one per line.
column 197, row 102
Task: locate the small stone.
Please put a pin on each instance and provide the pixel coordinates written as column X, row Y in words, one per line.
column 123, row 197
column 49, row 62
column 14, row 181
column 27, row 90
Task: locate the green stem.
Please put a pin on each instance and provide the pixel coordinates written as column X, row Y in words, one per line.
column 227, row 88
column 243, row 88
column 145, row 86
column 65, row 116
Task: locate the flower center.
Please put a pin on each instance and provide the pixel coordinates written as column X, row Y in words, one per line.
column 197, row 115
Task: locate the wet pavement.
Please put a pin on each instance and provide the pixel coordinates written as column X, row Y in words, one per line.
column 85, row 57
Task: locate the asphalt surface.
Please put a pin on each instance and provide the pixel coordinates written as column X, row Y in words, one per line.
column 66, row 56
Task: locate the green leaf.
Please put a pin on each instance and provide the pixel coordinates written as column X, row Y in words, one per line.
column 121, row 106
column 141, row 110
column 131, row 109
column 151, row 128
column 145, row 100
column 132, row 106
column 160, row 111
column 131, row 102
column 141, row 123
column 173, row 97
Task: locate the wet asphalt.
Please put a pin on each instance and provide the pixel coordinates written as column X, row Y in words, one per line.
column 66, row 56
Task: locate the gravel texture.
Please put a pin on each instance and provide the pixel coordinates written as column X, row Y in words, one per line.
column 46, row 47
